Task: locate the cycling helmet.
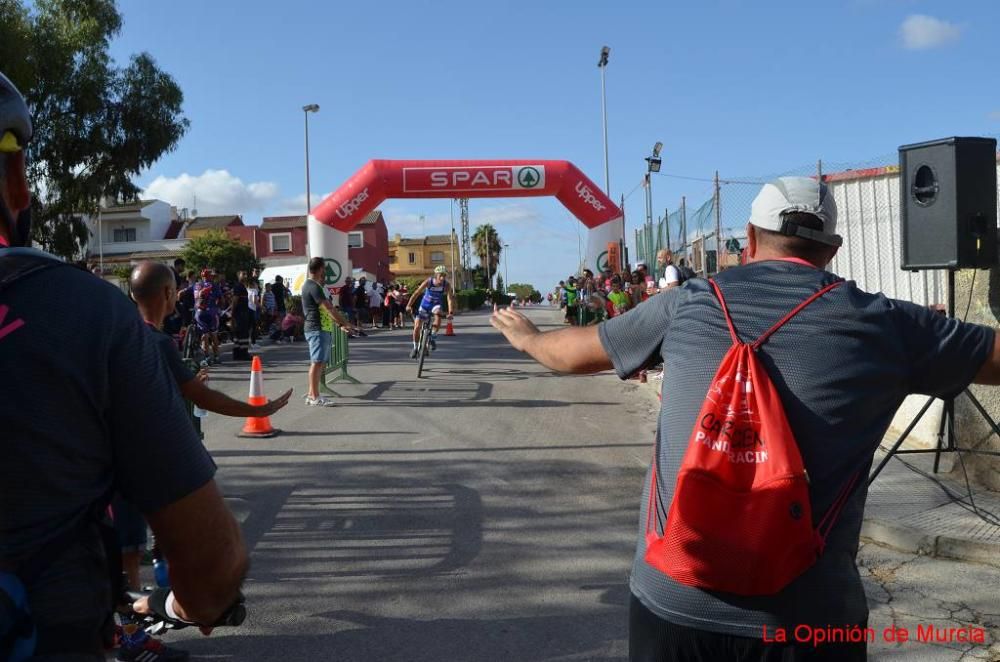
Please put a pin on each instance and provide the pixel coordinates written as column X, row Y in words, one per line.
column 15, row 122
column 15, row 134
column 441, row 269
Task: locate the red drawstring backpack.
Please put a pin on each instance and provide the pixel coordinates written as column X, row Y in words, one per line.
column 741, row 520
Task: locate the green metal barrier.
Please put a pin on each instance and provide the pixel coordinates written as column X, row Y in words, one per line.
column 339, row 354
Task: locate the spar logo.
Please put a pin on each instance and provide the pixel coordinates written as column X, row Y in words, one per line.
column 528, row 177
column 588, row 196
column 345, row 210
column 602, row 262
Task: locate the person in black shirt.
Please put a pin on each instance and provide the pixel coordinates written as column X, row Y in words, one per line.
column 241, row 318
column 280, row 292
column 96, row 407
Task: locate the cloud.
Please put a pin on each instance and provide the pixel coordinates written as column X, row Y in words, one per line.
column 296, row 205
column 920, row 32
column 217, row 192
column 499, row 216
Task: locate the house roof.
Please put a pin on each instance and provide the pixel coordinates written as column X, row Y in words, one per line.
column 215, row 222
column 422, row 241
column 372, row 218
column 174, row 230
column 282, row 222
column 128, row 207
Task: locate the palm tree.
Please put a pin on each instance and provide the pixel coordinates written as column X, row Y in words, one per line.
column 488, row 246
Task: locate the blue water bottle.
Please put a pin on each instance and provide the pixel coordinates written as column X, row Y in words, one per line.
column 161, row 573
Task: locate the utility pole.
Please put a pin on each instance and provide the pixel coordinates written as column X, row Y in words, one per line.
column 463, row 212
column 718, row 226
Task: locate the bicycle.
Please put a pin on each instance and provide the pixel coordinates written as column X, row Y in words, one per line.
column 157, row 621
column 424, row 339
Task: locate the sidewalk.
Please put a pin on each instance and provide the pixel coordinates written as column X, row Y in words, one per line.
column 931, row 514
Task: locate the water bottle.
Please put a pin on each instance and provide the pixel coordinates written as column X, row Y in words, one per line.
column 161, row 573
column 199, row 412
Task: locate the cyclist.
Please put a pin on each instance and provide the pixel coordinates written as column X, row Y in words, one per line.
column 434, row 290
column 92, row 409
column 208, row 298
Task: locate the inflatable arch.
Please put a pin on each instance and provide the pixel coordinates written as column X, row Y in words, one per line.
column 379, row 180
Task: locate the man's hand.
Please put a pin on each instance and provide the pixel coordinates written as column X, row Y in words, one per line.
column 517, row 328
column 272, row 406
column 202, row 375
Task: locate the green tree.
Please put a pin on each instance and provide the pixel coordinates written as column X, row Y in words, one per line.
column 486, row 243
column 499, row 283
column 97, row 125
column 221, row 252
column 525, row 291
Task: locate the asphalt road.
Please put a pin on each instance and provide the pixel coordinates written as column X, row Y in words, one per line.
column 487, row 511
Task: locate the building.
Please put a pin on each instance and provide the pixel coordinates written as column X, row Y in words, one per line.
column 202, row 225
column 277, row 241
column 368, row 246
column 141, row 230
column 417, row 257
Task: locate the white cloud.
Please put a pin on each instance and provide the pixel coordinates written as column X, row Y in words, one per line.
column 217, row 192
column 297, row 204
column 920, row 32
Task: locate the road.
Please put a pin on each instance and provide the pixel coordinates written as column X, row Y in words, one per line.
column 486, row 512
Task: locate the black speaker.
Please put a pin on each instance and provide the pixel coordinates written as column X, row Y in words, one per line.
column 948, row 204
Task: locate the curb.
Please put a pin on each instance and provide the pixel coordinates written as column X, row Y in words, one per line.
column 916, row 541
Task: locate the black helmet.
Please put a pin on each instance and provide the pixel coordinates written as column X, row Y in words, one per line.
column 15, row 122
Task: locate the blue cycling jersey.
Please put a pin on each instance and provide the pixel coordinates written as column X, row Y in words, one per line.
column 434, row 294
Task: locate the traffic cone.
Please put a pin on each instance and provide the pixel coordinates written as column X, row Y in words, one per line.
column 449, row 330
column 257, row 426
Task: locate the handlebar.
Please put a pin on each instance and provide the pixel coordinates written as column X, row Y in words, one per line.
column 232, row 617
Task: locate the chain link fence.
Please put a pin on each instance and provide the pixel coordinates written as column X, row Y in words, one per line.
column 710, row 234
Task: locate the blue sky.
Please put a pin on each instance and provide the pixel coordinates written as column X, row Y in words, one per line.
column 746, row 88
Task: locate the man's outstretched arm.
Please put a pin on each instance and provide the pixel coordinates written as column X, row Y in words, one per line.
column 576, row 350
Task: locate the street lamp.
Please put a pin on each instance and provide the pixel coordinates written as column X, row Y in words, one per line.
column 506, row 274
column 652, row 165
column 602, row 64
column 311, row 108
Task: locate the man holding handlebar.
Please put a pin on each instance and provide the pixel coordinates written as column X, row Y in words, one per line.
column 89, row 404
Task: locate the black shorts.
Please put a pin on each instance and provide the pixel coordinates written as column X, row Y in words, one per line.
column 652, row 639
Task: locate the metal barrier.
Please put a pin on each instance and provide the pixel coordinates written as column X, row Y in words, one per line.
column 339, row 354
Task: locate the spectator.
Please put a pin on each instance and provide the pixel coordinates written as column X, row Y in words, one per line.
column 241, row 318
column 361, row 301
column 671, row 276
column 292, row 324
column 67, row 444
column 347, row 301
column 280, row 293
column 253, row 302
column 313, row 299
column 618, row 300
column 571, row 291
column 838, row 411
column 208, row 297
column 637, row 289
column 375, row 303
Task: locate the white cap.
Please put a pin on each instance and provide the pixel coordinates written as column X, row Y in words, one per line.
column 796, row 194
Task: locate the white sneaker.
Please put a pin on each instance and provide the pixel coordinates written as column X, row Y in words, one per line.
column 321, row 401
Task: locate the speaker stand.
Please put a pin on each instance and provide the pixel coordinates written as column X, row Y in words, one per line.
column 946, row 430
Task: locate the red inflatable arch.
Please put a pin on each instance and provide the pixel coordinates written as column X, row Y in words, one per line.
column 379, row 180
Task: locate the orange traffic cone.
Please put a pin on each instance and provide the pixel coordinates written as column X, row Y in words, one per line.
column 449, row 330
column 257, row 426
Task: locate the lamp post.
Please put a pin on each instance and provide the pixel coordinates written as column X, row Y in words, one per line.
column 311, row 108
column 602, row 64
column 652, row 165
column 506, row 274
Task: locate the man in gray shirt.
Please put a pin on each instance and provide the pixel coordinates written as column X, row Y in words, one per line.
column 841, row 367
column 314, row 298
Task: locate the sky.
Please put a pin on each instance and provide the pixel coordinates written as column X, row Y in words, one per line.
column 745, row 88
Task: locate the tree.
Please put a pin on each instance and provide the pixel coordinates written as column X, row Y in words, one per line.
column 219, row 251
column 525, row 291
column 499, row 283
column 487, row 244
column 97, row 125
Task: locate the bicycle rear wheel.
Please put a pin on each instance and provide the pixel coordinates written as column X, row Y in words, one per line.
column 422, row 349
